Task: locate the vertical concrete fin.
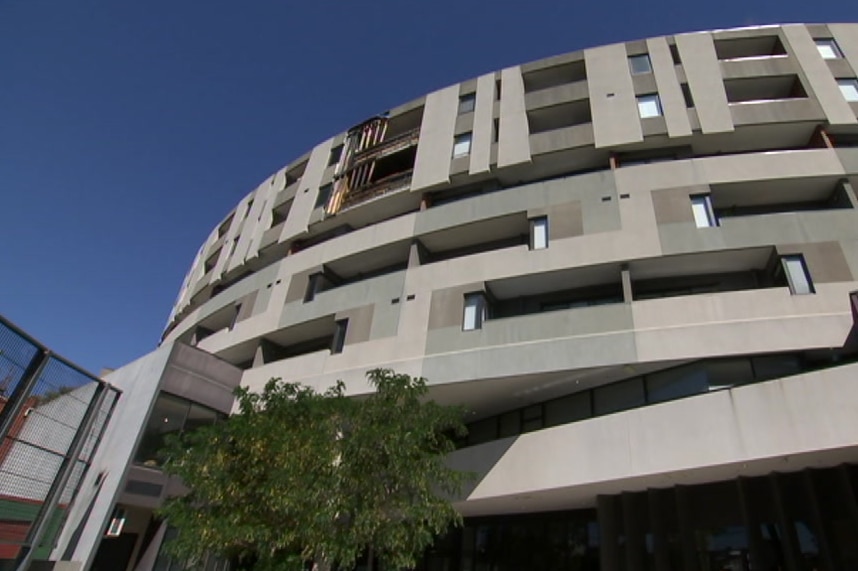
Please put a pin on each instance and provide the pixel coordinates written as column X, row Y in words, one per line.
column 820, row 81
column 307, row 192
column 250, row 222
column 262, row 222
column 669, row 90
column 481, row 144
column 435, row 147
column 846, row 36
column 700, row 62
column 514, row 134
column 612, row 96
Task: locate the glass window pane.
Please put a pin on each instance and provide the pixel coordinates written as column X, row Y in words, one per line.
column 640, row 64
column 168, row 416
column 828, row 49
column 649, row 106
column 567, row 409
column 776, row 366
column 475, row 311
column 676, row 383
column 466, row 103
column 462, row 145
column 540, row 233
column 849, row 88
column 729, row 373
column 482, row 431
column 199, row 416
column 619, row 396
column 702, row 210
column 799, row 281
column 510, row 424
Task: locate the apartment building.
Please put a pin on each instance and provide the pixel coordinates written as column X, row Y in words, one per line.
column 634, row 264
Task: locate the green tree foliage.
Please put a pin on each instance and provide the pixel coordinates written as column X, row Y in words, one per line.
column 299, row 476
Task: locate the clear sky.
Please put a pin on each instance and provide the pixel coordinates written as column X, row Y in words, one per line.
column 129, row 129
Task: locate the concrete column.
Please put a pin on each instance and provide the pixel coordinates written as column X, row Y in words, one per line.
column 435, row 147
column 703, row 72
column 608, row 528
column 616, row 120
column 481, row 143
column 669, row 90
column 626, row 275
column 659, row 530
column 514, row 134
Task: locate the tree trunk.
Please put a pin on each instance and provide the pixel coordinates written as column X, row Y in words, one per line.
column 369, row 558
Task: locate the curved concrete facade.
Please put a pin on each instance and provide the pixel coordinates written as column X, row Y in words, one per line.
column 632, row 263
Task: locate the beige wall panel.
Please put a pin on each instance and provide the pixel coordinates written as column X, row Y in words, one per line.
column 697, row 52
column 514, row 133
column 612, row 96
column 481, row 146
column 818, row 76
column 360, row 323
column 448, row 304
column 308, row 190
column 435, row 148
column 724, row 434
column 846, row 36
column 672, row 100
column 673, row 205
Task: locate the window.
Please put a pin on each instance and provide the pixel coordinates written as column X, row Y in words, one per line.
column 849, row 89
column 314, row 286
column 324, row 195
column 475, row 311
column 649, row 106
column 335, row 155
column 462, row 145
column 466, row 103
column 170, row 415
column 701, row 206
column 342, row 327
column 797, row 275
column 828, row 49
column 539, row 233
column 640, row 64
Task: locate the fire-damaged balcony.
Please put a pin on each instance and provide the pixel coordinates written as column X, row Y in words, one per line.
column 377, row 159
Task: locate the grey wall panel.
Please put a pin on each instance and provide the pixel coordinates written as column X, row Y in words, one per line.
column 231, row 236
column 846, row 36
column 435, row 148
column 672, row 100
column 481, row 146
column 264, row 219
column 250, row 224
column 612, row 96
column 697, row 52
column 513, row 136
column 308, row 191
column 818, row 76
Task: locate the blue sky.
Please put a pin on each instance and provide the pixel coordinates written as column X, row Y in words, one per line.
column 129, row 129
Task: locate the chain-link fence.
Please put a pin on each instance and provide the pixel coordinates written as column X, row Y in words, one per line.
column 52, row 416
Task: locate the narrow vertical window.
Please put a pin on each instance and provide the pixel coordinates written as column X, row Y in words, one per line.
column 640, row 64
column 324, row 195
column 462, row 145
column 339, row 340
column 539, row 233
column 314, row 285
column 701, row 206
column 649, row 106
column 467, row 103
column 797, row 275
column 475, row 311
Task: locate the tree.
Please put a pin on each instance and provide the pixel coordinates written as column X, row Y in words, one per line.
column 300, row 476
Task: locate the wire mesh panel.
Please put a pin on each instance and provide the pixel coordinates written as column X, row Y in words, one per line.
column 53, row 416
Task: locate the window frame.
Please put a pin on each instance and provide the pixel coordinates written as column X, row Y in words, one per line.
column 467, row 103
column 640, row 58
column 462, row 139
column 477, row 300
column 539, row 229
column 704, row 201
column 647, row 99
column 791, row 265
column 341, row 328
column 848, row 82
column 830, row 44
